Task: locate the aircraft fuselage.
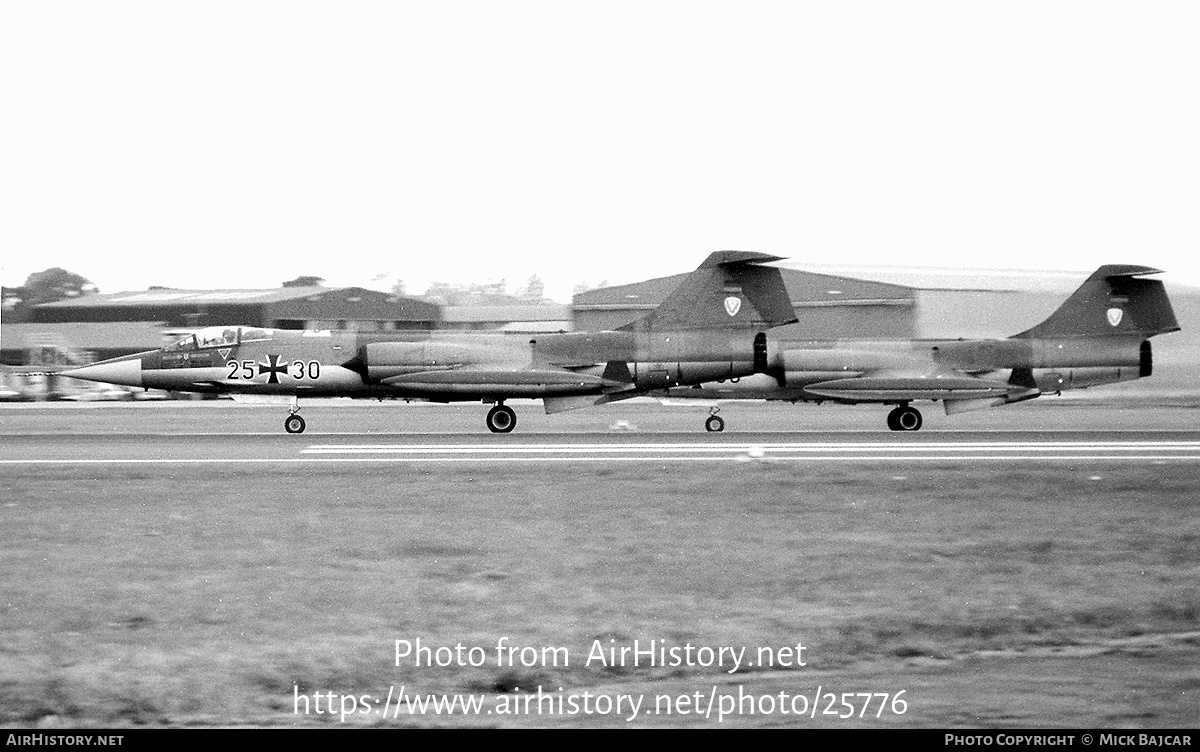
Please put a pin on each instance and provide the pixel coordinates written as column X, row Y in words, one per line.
column 437, row 367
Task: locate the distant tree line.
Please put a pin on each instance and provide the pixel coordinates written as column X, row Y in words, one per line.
column 480, row 294
column 304, row 281
column 43, row 287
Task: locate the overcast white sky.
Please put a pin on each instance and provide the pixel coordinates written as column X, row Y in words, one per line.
column 239, row 144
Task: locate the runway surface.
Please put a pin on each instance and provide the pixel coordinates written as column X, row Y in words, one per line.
column 993, row 565
column 221, row 435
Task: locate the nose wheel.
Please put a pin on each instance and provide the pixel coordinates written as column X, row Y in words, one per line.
column 904, row 418
column 714, row 423
column 293, row 424
column 501, row 419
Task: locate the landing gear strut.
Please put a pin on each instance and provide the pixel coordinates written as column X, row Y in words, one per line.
column 501, row 419
column 904, row 418
column 714, row 424
column 293, row 423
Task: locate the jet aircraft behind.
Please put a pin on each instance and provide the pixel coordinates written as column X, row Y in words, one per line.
column 1100, row 335
column 712, row 327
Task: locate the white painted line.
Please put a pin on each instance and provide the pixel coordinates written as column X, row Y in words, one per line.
column 839, row 444
column 734, row 458
column 515, row 449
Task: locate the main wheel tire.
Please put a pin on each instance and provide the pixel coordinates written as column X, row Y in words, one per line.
column 909, row 419
column 714, row 424
column 293, row 424
column 501, row 419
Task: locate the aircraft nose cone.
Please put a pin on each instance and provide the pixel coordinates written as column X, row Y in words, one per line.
column 123, row 372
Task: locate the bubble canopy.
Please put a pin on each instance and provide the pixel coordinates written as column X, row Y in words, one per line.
column 220, row 336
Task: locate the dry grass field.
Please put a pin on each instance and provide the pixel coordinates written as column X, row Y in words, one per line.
column 1060, row 595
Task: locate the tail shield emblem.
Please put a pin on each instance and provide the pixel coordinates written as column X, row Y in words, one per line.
column 1114, row 316
column 733, row 305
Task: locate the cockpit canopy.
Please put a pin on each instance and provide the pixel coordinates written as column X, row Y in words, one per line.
column 221, row 336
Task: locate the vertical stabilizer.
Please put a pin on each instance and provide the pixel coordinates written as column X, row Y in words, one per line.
column 1113, row 301
column 730, row 290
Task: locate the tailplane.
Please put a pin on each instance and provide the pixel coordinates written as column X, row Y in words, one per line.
column 728, row 291
column 1113, row 301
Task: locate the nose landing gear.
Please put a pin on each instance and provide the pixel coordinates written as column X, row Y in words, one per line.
column 714, row 423
column 293, row 423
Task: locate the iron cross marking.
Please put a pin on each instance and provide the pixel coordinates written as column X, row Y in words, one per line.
column 273, row 368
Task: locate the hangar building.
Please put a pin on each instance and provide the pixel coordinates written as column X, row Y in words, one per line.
column 827, row 306
column 512, row 319
column 276, row 308
column 107, row 325
column 865, row 304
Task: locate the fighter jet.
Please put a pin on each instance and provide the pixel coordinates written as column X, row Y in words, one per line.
column 1100, row 335
column 712, row 327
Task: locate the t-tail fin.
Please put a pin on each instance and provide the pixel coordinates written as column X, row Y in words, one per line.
column 1113, row 301
column 728, row 291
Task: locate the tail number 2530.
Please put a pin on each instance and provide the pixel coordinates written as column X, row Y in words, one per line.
column 297, row 369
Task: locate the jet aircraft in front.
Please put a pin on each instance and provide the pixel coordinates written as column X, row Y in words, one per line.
column 712, row 327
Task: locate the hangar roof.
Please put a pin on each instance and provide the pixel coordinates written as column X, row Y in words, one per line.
column 257, row 307
column 949, row 278
column 171, row 297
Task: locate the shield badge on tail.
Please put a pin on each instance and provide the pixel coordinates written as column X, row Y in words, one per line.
column 733, row 305
column 1114, row 316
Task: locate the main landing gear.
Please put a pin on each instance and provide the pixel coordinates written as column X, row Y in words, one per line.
column 714, row 424
column 904, row 418
column 501, row 419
